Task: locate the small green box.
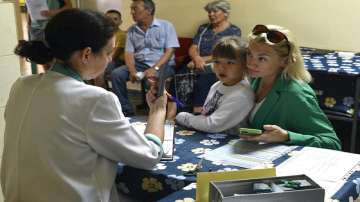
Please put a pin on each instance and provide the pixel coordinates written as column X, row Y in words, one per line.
column 250, row 131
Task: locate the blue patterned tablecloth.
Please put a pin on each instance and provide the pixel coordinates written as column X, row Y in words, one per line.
column 335, row 74
column 331, row 61
column 347, row 193
column 168, row 182
column 168, row 177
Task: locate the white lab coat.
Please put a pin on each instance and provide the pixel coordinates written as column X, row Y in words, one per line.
column 63, row 140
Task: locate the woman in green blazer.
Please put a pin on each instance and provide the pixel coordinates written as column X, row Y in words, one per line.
column 286, row 107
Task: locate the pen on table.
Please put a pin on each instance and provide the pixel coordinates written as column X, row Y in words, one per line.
column 199, row 164
column 177, row 101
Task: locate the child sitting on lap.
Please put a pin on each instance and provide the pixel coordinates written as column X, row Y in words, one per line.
column 230, row 99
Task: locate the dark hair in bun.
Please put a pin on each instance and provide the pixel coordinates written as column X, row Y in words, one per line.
column 67, row 32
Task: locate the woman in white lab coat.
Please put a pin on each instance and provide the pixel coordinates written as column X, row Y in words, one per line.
column 64, row 138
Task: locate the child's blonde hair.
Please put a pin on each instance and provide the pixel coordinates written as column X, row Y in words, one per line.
column 295, row 68
column 230, row 47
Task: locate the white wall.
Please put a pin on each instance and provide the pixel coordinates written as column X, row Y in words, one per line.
column 330, row 24
column 9, row 63
column 101, row 5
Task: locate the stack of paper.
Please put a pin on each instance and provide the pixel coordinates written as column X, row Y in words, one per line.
column 247, row 154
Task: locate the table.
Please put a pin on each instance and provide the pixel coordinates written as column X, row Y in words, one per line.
column 348, row 193
column 337, row 85
column 168, row 177
column 167, row 181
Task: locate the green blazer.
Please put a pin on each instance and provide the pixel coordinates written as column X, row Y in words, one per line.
column 293, row 106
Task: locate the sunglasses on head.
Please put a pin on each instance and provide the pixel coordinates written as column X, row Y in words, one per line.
column 272, row 35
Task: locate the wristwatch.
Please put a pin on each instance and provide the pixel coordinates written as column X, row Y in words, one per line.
column 157, row 68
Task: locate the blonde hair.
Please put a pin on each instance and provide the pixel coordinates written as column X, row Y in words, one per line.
column 295, row 68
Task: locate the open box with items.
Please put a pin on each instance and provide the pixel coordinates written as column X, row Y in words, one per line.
column 288, row 188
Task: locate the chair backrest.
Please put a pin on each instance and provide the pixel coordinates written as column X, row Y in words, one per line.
column 181, row 53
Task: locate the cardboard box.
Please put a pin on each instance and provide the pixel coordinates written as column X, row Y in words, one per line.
column 297, row 188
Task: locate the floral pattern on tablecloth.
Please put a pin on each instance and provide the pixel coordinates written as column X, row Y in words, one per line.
column 168, row 180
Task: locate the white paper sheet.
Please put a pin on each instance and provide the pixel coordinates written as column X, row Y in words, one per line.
column 247, row 155
column 328, row 168
column 34, row 8
column 323, row 164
